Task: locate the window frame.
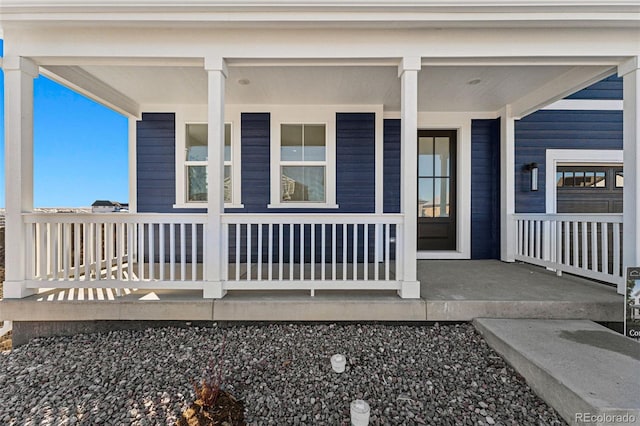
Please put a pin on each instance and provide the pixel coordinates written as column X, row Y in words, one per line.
column 305, row 115
column 199, row 116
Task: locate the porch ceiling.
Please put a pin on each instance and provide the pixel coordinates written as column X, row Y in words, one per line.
column 445, row 88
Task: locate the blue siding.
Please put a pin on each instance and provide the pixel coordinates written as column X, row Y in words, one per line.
column 391, row 171
column 550, row 129
column 355, row 162
column 485, row 189
column 609, row 88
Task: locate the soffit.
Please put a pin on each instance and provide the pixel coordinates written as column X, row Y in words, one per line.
column 442, row 88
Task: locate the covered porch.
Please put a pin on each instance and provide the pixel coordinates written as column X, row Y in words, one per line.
column 240, row 233
column 451, row 290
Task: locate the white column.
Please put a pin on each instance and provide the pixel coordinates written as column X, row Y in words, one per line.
column 407, row 249
column 214, row 250
column 18, row 118
column 507, row 185
column 630, row 73
column 133, row 164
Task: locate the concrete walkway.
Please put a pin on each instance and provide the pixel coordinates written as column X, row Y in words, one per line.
column 579, row 367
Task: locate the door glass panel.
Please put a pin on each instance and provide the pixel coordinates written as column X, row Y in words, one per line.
column 559, row 179
column 425, row 197
column 425, row 156
column 578, row 179
column 441, row 157
column 441, row 197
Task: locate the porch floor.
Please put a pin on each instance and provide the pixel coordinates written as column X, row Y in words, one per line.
column 451, row 290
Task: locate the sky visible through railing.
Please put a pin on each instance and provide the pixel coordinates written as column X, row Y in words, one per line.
column 80, row 148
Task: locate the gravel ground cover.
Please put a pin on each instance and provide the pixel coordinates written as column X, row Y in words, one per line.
column 409, row 375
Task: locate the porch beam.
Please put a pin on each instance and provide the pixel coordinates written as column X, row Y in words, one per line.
column 213, row 263
column 507, row 185
column 19, row 73
column 630, row 73
column 407, row 245
column 92, row 87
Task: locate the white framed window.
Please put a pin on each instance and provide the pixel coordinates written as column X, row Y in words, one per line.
column 192, row 160
column 196, row 153
column 303, row 169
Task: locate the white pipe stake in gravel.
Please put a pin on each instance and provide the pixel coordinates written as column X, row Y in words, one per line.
column 338, row 363
column 359, row 413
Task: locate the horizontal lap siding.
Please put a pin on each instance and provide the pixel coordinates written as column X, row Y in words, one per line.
column 485, row 189
column 551, row 129
column 391, row 166
column 609, row 88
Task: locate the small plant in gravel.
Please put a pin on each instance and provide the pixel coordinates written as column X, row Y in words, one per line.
column 213, row 406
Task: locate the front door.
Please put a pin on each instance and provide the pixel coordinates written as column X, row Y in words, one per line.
column 436, row 190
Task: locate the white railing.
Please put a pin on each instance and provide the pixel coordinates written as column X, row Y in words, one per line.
column 117, row 250
column 311, row 251
column 588, row 245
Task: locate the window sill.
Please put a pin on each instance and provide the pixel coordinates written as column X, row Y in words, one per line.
column 303, row 206
column 204, row 206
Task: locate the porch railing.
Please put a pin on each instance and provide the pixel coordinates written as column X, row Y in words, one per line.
column 311, row 251
column 114, row 250
column 589, row 245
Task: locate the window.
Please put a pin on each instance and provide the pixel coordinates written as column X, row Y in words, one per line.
column 581, row 177
column 303, row 163
column 196, row 151
column 619, row 179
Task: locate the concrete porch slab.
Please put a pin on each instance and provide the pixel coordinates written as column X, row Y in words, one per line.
column 460, row 290
column 578, row 367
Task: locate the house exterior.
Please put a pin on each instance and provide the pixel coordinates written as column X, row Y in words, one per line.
column 277, row 146
column 105, row 206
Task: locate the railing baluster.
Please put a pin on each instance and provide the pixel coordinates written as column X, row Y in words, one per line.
column 66, row 256
column 161, row 259
column 99, row 250
column 616, row 250
column 525, row 239
column 576, row 249
column 559, row 252
column 108, row 249
column 387, row 251
column 60, row 248
column 302, row 226
column 86, row 248
column 532, row 238
column 567, row 245
column 585, row 246
column 172, row 251
column 594, row 246
column 280, row 251
column 270, row 252
column 259, row 276
column 131, row 231
column 323, row 252
column 366, row 252
column 376, row 254
column 194, row 251
column 345, row 228
column 249, row 260
column 183, row 252
column 604, row 239
column 333, row 252
column 31, row 249
column 152, row 253
column 119, row 249
column 238, row 249
column 313, row 251
column 291, row 232
column 141, row 251
column 355, row 251
column 54, row 251
column 538, row 240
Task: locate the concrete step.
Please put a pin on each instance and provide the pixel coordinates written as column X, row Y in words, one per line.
column 588, row 373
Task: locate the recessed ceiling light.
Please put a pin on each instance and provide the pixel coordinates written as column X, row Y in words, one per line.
column 244, row 81
column 474, row 81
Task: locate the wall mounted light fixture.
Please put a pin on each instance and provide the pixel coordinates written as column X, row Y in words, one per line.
column 533, row 169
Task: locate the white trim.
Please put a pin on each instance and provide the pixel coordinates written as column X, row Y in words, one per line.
column 185, row 114
column 308, row 205
column 133, row 165
column 556, row 156
column 507, row 185
column 461, row 122
column 586, row 105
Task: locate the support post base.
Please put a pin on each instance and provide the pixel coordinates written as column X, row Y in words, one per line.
column 409, row 290
column 16, row 290
column 214, row 290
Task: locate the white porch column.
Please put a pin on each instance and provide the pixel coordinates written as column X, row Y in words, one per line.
column 214, row 244
column 407, row 249
column 18, row 119
column 507, row 185
column 630, row 72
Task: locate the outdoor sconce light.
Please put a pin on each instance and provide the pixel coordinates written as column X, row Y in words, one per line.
column 533, row 169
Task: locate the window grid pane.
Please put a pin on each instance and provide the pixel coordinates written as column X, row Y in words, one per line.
column 302, row 184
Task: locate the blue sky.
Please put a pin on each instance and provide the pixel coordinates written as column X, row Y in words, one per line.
column 80, row 148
